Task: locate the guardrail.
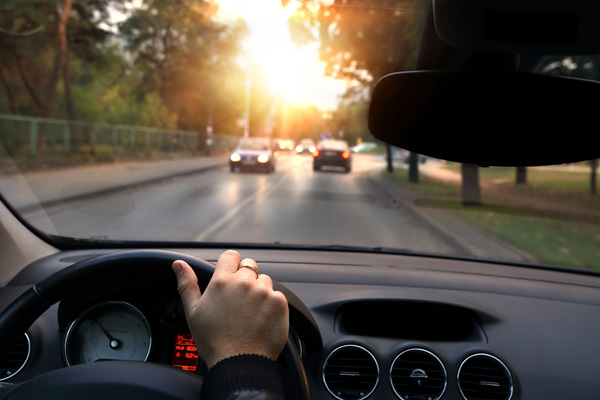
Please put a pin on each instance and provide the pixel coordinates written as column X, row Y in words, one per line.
column 38, row 137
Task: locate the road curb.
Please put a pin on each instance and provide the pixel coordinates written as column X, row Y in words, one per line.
column 450, row 228
column 115, row 189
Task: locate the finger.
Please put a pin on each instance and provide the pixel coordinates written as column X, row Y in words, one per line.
column 248, row 270
column 187, row 284
column 266, row 281
column 281, row 301
column 228, row 263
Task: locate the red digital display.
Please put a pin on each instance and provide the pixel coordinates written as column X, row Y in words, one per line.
column 185, row 354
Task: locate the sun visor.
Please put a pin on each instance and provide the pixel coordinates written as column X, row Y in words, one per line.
column 488, row 118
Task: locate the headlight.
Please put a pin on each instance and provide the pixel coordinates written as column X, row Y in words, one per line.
column 263, row 158
column 235, row 157
column 312, row 149
column 299, row 149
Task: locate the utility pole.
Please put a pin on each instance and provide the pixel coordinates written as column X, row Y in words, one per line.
column 247, row 108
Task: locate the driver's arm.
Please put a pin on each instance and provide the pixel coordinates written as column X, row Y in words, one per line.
column 240, row 326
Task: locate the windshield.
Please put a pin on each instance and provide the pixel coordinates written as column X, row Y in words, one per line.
column 119, row 122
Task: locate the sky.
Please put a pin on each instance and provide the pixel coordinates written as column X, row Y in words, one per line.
column 295, row 73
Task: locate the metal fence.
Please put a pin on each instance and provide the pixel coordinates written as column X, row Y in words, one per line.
column 40, row 137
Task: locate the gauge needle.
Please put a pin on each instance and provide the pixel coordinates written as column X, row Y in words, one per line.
column 114, row 343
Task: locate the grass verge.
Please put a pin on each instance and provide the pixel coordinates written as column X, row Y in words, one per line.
column 552, row 240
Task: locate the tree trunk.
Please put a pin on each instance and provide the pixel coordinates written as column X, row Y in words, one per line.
column 51, row 88
column 593, row 184
column 390, row 164
column 471, row 191
column 63, row 51
column 521, row 176
column 25, row 80
column 413, row 167
column 4, row 77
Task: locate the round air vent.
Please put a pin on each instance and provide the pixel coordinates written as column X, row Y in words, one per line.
column 14, row 358
column 484, row 377
column 418, row 373
column 350, row 372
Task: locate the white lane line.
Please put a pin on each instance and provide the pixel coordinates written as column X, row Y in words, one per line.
column 221, row 222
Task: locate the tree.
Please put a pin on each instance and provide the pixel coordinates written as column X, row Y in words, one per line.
column 184, row 54
column 37, row 31
column 360, row 42
column 300, row 121
column 593, row 176
column 351, row 117
column 521, row 176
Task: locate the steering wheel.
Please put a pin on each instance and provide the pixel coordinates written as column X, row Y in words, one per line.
column 118, row 379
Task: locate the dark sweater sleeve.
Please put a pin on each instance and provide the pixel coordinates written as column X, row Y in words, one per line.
column 246, row 376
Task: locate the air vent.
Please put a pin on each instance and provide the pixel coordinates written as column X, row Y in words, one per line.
column 14, row 358
column 418, row 373
column 350, row 372
column 484, row 377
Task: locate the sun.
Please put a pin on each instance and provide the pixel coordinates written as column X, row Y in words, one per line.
column 296, row 75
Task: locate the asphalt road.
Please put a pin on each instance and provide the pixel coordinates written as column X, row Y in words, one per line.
column 294, row 205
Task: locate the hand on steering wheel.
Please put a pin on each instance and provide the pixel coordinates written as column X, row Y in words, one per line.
column 239, row 313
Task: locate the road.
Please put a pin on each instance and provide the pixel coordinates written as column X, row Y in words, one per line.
column 294, row 205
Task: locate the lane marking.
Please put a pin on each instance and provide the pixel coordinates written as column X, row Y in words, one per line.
column 221, row 222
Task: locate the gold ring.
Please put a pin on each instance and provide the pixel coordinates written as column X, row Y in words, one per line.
column 246, row 264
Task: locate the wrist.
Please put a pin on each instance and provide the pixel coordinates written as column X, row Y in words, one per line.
column 245, row 372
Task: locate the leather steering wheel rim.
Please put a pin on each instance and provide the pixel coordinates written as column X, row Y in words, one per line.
column 23, row 312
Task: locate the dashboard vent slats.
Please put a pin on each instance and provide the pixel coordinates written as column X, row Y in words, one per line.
column 350, row 372
column 484, row 377
column 14, row 358
column 418, row 373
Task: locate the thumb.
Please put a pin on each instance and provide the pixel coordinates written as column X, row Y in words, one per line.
column 187, row 285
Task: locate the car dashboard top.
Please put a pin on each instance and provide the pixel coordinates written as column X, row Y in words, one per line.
column 375, row 326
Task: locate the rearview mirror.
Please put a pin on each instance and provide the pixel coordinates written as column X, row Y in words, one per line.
column 488, row 118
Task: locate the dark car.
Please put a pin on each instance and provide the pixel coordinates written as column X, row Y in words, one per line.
column 332, row 153
column 253, row 153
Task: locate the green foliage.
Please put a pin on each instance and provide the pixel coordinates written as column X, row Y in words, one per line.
column 352, row 119
column 300, row 121
column 557, row 242
column 184, row 55
column 166, row 64
column 362, row 41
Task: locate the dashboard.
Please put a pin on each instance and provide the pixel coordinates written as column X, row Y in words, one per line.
column 368, row 325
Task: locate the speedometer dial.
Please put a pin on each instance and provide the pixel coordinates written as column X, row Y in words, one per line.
column 108, row 331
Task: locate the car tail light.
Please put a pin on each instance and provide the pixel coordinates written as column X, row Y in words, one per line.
column 345, row 154
column 315, row 153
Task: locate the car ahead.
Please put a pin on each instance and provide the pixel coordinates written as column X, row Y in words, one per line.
column 398, row 288
column 284, row 145
column 253, row 153
column 332, row 153
column 305, row 146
